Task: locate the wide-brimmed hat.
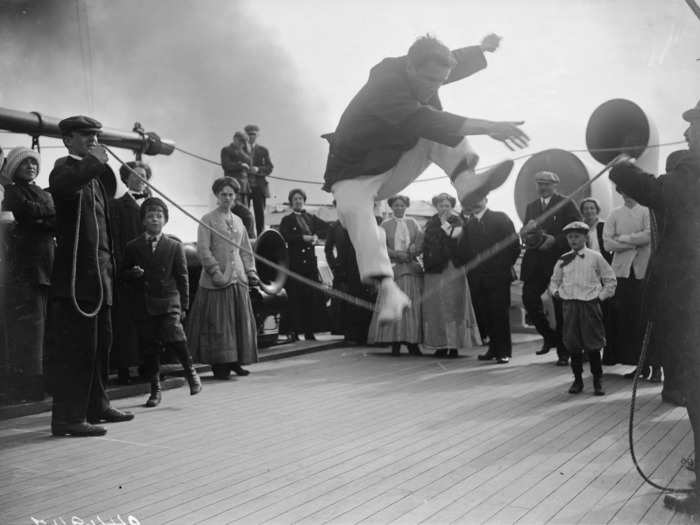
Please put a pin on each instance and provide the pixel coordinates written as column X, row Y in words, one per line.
column 693, row 113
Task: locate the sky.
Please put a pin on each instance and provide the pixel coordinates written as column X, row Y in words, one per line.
column 195, row 71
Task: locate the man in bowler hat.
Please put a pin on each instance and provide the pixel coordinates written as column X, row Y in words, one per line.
column 672, row 300
column 80, row 327
column 544, row 244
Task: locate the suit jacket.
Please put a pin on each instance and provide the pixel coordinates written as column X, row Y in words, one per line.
column 260, row 157
column 232, row 159
column 478, row 237
column 385, row 119
column 302, row 255
column 72, row 180
column 126, row 224
column 164, row 286
column 538, row 264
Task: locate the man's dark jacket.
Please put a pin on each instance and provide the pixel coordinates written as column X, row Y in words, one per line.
column 164, row 286
column 385, row 119
column 478, row 237
column 261, row 160
column 302, row 255
column 538, row 264
column 673, row 297
column 126, row 224
column 72, row 180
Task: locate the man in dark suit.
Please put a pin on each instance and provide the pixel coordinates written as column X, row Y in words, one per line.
column 544, row 244
column 80, row 328
column 392, row 130
column 672, row 300
column 489, row 281
column 260, row 168
column 155, row 265
column 126, row 225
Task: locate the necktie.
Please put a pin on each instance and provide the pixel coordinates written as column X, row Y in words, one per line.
column 153, row 241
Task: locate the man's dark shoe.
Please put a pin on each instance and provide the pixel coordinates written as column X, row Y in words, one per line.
column 78, row 430
column 155, row 398
column 396, row 349
column 452, row 353
column 577, row 386
column 545, row 349
column 193, row 380
column 674, row 397
column 502, row 360
column 488, row 356
column 563, row 361
column 598, row 387
column 111, row 415
column 440, row 352
column 309, row 337
column 655, row 376
column 492, row 178
column 688, row 505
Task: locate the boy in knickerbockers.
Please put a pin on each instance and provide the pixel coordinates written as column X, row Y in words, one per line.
column 156, row 267
column 582, row 279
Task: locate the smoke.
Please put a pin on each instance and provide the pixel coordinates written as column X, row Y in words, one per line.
column 192, row 71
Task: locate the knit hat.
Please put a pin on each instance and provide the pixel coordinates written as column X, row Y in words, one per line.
column 15, row 158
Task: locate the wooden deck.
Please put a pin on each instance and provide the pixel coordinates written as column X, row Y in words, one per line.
column 353, row 435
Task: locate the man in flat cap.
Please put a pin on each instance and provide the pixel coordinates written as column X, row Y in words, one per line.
column 261, row 166
column 672, row 300
column 544, row 244
column 80, row 327
column 391, row 131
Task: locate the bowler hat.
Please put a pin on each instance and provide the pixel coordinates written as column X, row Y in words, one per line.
column 576, row 226
column 693, row 113
column 546, row 176
column 79, row 123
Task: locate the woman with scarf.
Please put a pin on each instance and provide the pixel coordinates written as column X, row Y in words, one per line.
column 28, row 276
column 301, row 230
column 449, row 320
column 404, row 240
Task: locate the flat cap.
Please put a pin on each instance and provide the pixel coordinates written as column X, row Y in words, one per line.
column 251, row 128
column 79, row 123
column 693, row 113
column 546, row 176
column 576, row 226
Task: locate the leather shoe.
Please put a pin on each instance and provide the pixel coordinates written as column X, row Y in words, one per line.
column 577, row 386
column 486, row 357
column 78, row 430
column 111, row 415
column 440, row 352
column 452, row 353
column 563, row 361
column 239, row 370
column 687, row 505
column 502, row 360
column 309, row 337
column 544, row 350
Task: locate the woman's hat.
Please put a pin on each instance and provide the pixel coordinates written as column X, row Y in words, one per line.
column 693, row 113
column 15, row 158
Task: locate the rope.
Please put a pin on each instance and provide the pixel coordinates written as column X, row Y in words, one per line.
column 305, row 280
column 428, row 179
column 74, row 266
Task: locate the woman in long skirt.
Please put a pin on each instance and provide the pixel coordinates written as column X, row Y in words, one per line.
column 404, row 240
column 221, row 325
column 449, row 320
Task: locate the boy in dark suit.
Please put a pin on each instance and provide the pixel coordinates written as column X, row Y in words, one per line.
column 156, row 267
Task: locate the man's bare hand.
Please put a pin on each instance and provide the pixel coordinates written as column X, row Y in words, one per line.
column 490, row 42
column 510, row 134
column 99, row 152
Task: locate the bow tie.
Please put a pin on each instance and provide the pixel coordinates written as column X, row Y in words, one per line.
column 152, row 239
column 569, row 257
column 138, row 196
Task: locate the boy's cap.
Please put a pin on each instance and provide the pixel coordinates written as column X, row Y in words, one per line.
column 576, row 226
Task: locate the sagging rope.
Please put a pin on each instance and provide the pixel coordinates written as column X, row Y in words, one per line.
column 429, row 179
column 305, row 280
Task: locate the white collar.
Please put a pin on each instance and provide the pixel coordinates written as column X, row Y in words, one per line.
column 76, row 157
column 158, row 237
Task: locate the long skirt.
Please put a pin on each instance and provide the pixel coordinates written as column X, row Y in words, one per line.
column 409, row 329
column 449, row 320
column 221, row 326
column 627, row 327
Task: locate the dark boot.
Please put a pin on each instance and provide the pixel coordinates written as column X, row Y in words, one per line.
column 687, row 505
column 413, row 349
column 193, row 380
column 239, row 370
column 655, row 374
column 598, row 386
column 440, row 352
column 396, row 349
column 577, row 385
column 452, row 353
column 155, row 398
column 221, row 371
